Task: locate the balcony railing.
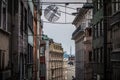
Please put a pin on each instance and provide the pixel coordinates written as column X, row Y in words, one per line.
column 79, row 29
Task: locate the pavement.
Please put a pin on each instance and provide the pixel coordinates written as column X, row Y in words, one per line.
column 71, row 71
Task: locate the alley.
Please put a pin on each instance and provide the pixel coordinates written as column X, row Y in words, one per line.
column 59, row 40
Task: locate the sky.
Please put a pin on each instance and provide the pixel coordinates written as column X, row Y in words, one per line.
column 62, row 33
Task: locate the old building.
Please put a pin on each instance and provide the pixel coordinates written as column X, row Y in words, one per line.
column 88, row 53
column 17, row 44
column 101, row 40
column 30, row 42
column 51, row 59
column 36, row 38
column 5, row 32
column 98, row 41
column 65, row 65
column 43, row 47
column 115, row 31
column 83, row 48
column 20, row 41
column 54, row 61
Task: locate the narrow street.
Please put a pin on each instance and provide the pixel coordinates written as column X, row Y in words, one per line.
column 71, row 72
column 59, row 40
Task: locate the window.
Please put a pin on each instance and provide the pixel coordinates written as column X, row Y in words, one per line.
column 30, row 18
column 119, row 4
column 90, row 56
column 0, row 13
column 95, row 31
column 30, row 54
column 115, row 6
column 89, row 32
column 102, row 27
column 94, row 55
column 3, row 15
column 23, row 26
column 102, row 55
column 99, row 29
column 116, row 37
column 21, row 23
column 101, row 1
column 98, row 3
column 25, row 19
column 42, row 69
column 2, row 58
column 99, row 55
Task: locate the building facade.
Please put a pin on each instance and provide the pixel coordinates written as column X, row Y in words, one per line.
column 30, row 42
column 5, row 25
column 43, row 46
column 102, row 46
column 54, row 62
column 83, row 48
column 16, row 45
column 114, row 29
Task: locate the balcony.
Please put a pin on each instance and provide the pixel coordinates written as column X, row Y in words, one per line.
column 55, row 50
column 115, row 55
column 78, row 31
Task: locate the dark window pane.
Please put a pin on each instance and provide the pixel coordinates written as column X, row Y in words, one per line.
column 0, row 13
column 4, row 17
column 25, row 27
column 21, row 25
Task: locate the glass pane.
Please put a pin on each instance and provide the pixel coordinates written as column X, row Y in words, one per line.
column 0, row 13
column 4, row 17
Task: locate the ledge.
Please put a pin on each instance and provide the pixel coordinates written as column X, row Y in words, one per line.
column 5, row 32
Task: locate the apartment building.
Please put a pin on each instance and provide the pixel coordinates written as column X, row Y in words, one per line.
column 83, row 48
column 16, row 44
column 54, row 62
column 115, row 31
column 5, row 31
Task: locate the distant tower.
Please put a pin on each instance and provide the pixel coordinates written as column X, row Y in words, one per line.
column 70, row 51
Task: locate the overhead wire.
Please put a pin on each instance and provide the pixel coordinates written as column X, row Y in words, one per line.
column 48, row 3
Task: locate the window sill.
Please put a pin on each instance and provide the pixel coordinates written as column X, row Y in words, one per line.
column 4, row 31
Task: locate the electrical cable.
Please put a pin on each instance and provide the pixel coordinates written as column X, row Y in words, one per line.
column 64, row 12
column 57, row 22
column 48, row 3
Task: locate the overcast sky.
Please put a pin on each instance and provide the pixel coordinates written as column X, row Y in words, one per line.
column 62, row 33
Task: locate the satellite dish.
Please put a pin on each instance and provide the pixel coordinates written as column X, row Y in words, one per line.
column 52, row 13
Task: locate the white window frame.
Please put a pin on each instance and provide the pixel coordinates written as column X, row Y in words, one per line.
column 3, row 2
